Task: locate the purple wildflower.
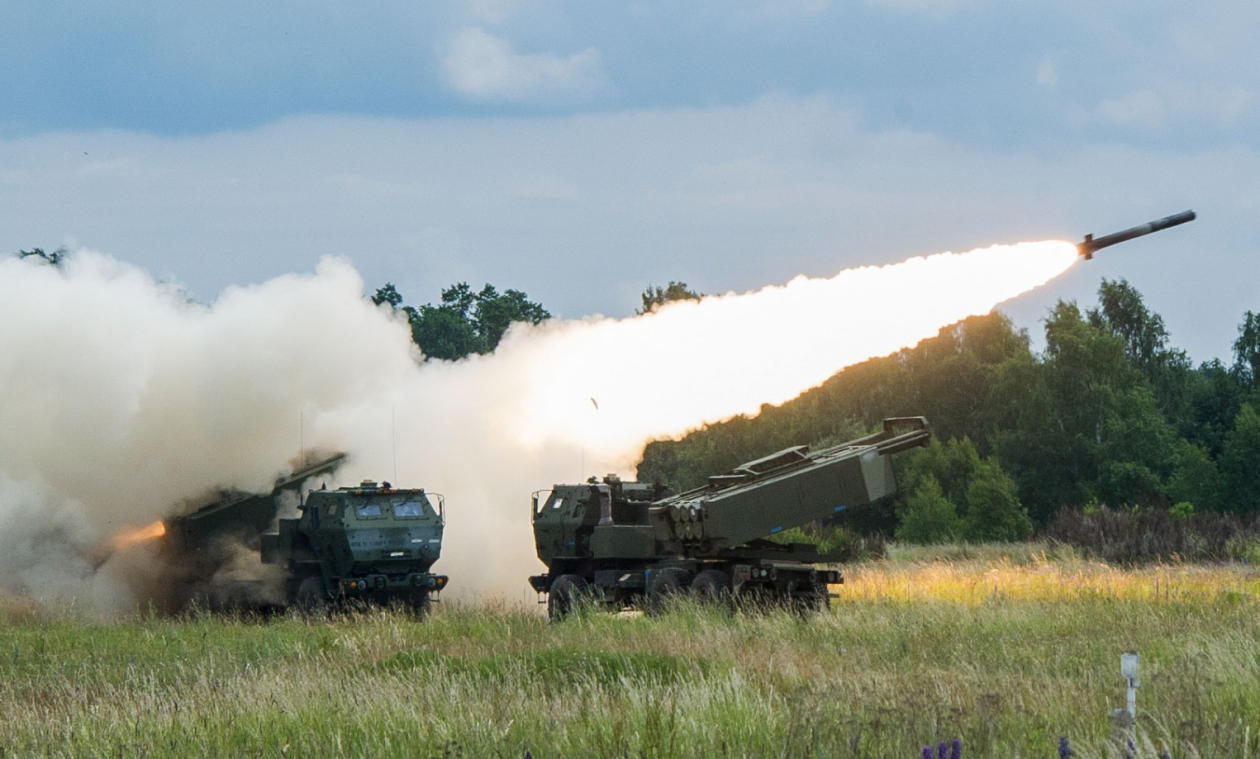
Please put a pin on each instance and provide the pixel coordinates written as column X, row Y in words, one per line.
column 1164, row 755
column 1065, row 751
column 942, row 750
column 955, row 751
column 927, row 752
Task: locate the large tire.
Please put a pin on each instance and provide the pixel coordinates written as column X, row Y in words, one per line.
column 755, row 599
column 566, row 592
column 666, row 585
column 815, row 602
column 822, row 597
column 421, row 605
column 713, row 586
column 311, row 596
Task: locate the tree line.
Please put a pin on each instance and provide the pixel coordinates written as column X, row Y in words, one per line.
column 464, row 321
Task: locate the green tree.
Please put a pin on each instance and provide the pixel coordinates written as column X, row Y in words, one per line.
column 53, row 259
column 993, row 508
column 1059, row 409
column 1247, row 350
column 928, row 516
column 1215, row 395
column 1240, row 462
column 464, row 322
column 655, row 297
column 444, row 333
column 1135, row 453
column 387, row 294
column 493, row 313
column 1195, row 478
column 951, row 464
column 985, row 499
column 1121, row 311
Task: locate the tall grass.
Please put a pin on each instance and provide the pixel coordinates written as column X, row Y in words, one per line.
column 914, row 650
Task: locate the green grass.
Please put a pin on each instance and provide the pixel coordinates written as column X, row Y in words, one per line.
column 879, row 676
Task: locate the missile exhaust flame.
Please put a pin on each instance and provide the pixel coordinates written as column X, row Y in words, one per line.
column 692, row 363
column 128, row 539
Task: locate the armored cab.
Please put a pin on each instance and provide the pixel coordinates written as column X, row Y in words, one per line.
column 371, row 543
column 628, row 544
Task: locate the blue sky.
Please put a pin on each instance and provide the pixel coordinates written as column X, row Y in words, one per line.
column 581, row 150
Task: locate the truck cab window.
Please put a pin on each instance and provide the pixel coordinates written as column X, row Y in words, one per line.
column 409, row 509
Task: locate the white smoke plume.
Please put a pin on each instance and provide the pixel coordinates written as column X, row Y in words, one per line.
column 120, row 398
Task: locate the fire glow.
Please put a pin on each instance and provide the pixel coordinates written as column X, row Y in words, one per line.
column 128, row 539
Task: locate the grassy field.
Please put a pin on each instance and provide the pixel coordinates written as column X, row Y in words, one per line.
column 1007, row 650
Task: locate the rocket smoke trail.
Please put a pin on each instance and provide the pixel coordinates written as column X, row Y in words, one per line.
column 119, row 398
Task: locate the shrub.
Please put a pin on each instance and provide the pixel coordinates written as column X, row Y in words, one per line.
column 993, row 508
column 1144, row 535
column 839, row 541
column 928, row 516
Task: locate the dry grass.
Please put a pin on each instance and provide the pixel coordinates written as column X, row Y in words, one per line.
column 914, row 651
column 1036, row 572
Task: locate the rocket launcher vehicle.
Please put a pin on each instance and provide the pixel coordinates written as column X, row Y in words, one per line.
column 632, row 544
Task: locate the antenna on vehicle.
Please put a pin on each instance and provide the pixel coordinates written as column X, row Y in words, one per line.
column 302, row 436
column 585, row 435
column 393, row 434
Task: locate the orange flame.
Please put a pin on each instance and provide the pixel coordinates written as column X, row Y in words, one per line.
column 131, row 538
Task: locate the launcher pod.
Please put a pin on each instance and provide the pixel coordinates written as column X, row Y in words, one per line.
column 632, row 544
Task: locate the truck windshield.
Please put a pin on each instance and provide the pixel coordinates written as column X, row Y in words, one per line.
column 368, row 509
column 409, row 509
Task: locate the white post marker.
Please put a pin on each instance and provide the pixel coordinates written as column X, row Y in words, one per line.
column 1129, row 670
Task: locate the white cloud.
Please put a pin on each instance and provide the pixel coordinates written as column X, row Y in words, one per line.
column 1140, row 108
column 492, row 11
column 936, row 9
column 1048, row 73
column 484, row 67
column 1176, row 102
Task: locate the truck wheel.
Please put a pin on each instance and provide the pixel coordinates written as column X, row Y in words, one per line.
column 712, row 586
column 822, row 597
column 666, row 584
column 310, row 596
column 565, row 592
column 421, row 606
column 808, row 604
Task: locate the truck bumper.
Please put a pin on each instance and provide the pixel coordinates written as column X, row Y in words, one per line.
column 385, row 585
column 785, row 576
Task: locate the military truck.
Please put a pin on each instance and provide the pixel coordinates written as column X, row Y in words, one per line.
column 368, row 543
column 634, row 545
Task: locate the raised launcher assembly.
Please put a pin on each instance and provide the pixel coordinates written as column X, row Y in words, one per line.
column 631, row 544
column 1087, row 246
